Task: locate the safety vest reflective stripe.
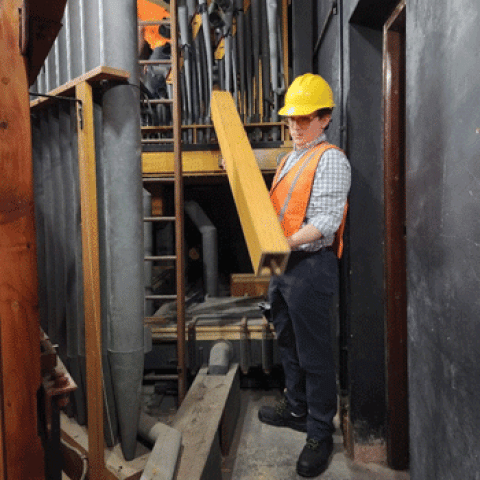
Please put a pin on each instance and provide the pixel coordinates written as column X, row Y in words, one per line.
column 291, row 194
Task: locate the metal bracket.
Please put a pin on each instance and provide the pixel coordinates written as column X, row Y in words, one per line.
column 333, row 11
column 67, row 99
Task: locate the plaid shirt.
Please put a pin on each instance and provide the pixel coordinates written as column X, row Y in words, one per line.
column 329, row 192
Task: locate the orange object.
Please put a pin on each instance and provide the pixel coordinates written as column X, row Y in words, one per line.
column 148, row 11
column 292, row 203
column 21, row 454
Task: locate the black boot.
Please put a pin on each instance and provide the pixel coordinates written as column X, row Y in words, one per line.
column 281, row 416
column 315, row 457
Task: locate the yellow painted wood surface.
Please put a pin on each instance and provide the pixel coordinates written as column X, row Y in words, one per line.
column 266, row 243
column 193, row 162
column 91, row 280
column 199, row 419
column 205, row 161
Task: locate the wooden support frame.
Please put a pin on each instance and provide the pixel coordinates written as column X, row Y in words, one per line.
column 267, row 246
column 116, row 468
column 394, row 79
column 205, row 162
column 91, row 282
column 93, row 76
column 81, row 89
column 21, row 453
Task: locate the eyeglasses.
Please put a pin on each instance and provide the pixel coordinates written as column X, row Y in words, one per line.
column 301, row 121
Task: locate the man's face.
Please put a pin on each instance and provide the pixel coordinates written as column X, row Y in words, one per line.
column 306, row 128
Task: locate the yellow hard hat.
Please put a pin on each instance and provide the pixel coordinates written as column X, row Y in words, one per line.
column 307, row 94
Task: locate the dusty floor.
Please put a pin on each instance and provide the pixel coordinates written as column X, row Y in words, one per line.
column 262, row 452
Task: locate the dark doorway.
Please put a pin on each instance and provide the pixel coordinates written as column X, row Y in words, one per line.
column 394, row 79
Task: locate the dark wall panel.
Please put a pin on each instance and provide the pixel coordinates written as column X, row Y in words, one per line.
column 326, row 62
column 366, row 348
column 443, row 237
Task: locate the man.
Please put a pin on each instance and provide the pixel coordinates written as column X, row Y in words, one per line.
column 309, row 193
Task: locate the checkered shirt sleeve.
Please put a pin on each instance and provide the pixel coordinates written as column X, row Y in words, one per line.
column 329, row 194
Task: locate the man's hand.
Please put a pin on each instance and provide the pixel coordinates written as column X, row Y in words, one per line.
column 306, row 234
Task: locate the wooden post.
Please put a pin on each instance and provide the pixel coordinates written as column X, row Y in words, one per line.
column 91, row 281
column 21, row 454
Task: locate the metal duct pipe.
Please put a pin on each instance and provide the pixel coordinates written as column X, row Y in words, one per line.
column 220, row 356
column 209, row 246
column 110, row 415
column 162, row 462
column 208, row 50
column 121, row 176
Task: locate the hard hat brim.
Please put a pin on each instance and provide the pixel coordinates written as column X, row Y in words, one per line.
column 294, row 110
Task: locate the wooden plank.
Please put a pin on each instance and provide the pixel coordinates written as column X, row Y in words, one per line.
column 116, row 467
column 267, row 246
column 205, row 161
column 68, row 89
column 21, row 453
column 199, row 419
column 163, row 162
column 91, row 281
column 242, row 284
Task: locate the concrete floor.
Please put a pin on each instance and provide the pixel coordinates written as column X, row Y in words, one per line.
column 263, row 452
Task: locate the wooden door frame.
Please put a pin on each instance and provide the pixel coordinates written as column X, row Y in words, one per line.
column 394, row 79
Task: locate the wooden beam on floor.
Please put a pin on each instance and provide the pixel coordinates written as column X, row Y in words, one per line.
column 116, row 467
column 210, row 408
column 267, row 246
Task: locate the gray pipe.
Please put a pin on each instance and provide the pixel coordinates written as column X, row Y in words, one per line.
column 265, row 64
column 248, row 65
column 220, row 356
column 241, row 55
column 255, row 8
column 208, row 50
column 120, row 176
column 272, row 41
column 191, row 9
column 162, row 462
column 185, row 43
column 227, row 32
column 209, row 246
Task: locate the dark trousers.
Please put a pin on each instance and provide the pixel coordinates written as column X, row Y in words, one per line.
column 300, row 307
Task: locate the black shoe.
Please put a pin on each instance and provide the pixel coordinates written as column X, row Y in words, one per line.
column 315, row 457
column 281, row 416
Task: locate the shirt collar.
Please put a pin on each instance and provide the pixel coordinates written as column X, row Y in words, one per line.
column 321, row 138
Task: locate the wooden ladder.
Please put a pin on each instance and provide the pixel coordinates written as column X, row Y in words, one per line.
column 177, row 179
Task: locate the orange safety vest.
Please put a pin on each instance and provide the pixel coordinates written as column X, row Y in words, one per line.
column 147, row 11
column 290, row 195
